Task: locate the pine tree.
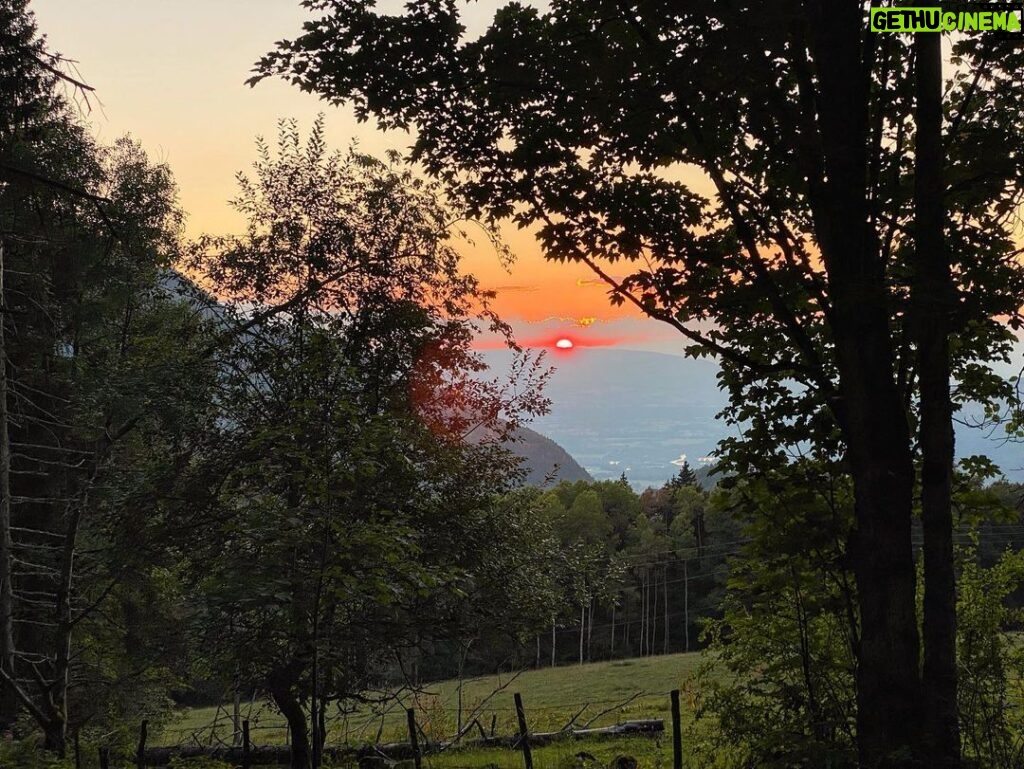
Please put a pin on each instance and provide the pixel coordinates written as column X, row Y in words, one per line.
column 685, row 477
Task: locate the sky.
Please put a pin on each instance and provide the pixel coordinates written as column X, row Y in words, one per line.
column 171, row 74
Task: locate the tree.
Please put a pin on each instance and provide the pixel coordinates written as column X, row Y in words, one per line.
column 620, row 505
column 521, row 568
column 801, row 124
column 987, row 661
column 688, row 503
column 685, row 477
column 344, row 516
column 585, row 521
column 788, row 629
column 98, row 338
column 92, row 337
column 649, row 550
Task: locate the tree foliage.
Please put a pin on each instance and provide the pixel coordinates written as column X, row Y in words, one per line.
column 788, row 635
column 753, row 170
column 92, row 346
column 345, row 517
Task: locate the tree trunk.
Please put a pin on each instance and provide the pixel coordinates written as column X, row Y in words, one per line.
column 643, row 612
column 664, row 582
column 628, row 621
column 888, row 682
column 888, row 676
column 301, row 753
column 65, row 622
column 640, row 629
column 934, row 301
column 878, row 441
column 56, row 732
column 321, row 731
column 552, row 642
column 652, row 644
column 8, row 699
column 590, row 631
column 314, row 714
column 686, row 602
column 612, row 650
column 869, row 406
column 583, row 627
column 55, row 736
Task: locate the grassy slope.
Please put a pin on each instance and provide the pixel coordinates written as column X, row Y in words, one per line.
column 551, row 696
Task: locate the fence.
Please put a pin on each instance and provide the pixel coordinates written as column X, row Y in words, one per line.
column 418, row 745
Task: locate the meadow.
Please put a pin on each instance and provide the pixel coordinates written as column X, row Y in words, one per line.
column 596, row 694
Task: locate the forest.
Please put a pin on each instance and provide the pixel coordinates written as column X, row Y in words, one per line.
column 274, row 465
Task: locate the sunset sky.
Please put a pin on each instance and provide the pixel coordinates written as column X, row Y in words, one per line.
column 172, row 75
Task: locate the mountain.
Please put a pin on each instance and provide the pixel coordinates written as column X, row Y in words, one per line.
column 626, row 411
column 637, row 412
column 546, row 463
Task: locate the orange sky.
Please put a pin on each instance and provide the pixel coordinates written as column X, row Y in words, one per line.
column 172, row 74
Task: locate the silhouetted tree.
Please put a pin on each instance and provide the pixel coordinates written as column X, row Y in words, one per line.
column 578, row 121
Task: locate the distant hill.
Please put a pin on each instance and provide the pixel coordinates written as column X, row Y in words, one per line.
column 625, row 411
column 546, row 462
column 707, row 478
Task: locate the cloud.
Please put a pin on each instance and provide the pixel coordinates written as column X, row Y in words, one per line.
column 517, row 288
column 584, row 322
column 582, row 282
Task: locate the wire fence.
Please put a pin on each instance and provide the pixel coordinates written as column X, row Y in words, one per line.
column 253, row 733
column 421, row 733
column 438, row 718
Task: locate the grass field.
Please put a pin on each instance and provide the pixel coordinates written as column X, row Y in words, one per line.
column 551, row 697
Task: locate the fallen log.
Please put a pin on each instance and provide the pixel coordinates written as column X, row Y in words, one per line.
column 640, row 727
column 267, row 755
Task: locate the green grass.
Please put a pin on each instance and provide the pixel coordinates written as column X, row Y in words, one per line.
column 652, row 753
column 551, row 696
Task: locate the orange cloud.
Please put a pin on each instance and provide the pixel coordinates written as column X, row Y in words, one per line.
column 598, row 282
column 585, row 322
column 503, row 289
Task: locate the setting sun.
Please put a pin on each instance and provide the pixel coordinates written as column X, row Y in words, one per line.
column 564, row 344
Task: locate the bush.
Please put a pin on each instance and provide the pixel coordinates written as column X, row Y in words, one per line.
column 991, row 660
column 29, row 754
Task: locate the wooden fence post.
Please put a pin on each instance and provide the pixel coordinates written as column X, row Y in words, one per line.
column 524, row 735
column 236, row 719
column 413, row 739
column 246, row 746
column 104, row 758
column 140, row 753
column 677, row 733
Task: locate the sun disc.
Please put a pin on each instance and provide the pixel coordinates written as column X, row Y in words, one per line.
column 564, row 344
